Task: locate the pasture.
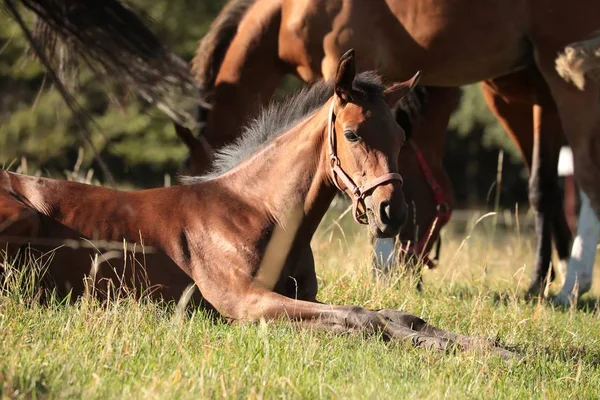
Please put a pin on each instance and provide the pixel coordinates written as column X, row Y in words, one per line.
column 137, row 349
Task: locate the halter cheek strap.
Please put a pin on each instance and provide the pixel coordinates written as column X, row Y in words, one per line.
column 359, row 193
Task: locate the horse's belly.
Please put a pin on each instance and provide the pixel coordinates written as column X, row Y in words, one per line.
column 452, row 42
column 467, row 64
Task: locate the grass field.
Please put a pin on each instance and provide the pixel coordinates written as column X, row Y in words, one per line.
column 129, row 349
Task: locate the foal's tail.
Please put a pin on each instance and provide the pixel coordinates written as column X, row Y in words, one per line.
column 213, row 46
column 581, row 60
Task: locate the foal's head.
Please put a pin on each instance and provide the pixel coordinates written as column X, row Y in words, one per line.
column 365, row 142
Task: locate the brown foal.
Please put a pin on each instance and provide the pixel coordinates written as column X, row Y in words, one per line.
column 243, row 233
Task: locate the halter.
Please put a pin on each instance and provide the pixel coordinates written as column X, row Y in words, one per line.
column 443, row 213
column 359, row 192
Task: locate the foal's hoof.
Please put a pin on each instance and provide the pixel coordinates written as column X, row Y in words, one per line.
column 434, row 343
column 507, row 355
column 487, row 345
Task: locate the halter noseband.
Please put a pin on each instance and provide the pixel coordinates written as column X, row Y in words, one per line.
column 442, row 216
column 359, row 192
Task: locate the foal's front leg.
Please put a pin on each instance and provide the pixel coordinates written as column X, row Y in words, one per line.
column 465, row 342
column 266, row 305
column 392, row 324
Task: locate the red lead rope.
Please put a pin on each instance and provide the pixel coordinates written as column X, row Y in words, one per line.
column 443, row 213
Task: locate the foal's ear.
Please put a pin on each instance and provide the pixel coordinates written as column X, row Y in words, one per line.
column 394, row 93
column 186, row 136
column 345, row 76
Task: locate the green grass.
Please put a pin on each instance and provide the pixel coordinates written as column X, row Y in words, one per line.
column 129, row 349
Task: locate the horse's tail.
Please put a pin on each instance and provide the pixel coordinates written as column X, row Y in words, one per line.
column 117, row 42
column 580, row 60
column 213, row 46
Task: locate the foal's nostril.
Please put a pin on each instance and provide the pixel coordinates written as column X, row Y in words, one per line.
column 392, row 216
column 386, row 213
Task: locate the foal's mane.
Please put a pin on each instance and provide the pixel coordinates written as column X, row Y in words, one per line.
column 278, row 118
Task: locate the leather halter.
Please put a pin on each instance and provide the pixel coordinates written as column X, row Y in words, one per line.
column 442, row 216
column 359, row 193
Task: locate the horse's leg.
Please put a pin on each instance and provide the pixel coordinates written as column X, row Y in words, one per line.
column 548, row 140
column 537, row 132
column 418, row 324
column 583, row 254
column 581, row 121
column 545, row 193
column 269, row 306
column 249, row 74
column 578, row 108
column 302, row 283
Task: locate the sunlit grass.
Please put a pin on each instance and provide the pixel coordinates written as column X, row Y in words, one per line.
column 138, row 349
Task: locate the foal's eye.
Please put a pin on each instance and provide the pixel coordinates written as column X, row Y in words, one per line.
column 351, row 136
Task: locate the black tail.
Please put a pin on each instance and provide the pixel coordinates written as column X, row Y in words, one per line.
column 117, row 44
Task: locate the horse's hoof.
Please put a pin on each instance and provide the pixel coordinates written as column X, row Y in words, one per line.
column 508, row 355
column 435, row 343
column 561, row 300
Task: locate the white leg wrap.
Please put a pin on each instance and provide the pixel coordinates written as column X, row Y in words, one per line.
column 583, row 254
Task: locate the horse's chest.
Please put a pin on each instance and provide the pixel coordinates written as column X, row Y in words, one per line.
column 278, row 247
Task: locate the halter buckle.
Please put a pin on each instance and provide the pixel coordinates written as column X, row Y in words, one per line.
column 334, row 160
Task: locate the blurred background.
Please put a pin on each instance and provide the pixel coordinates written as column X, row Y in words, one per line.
column 38, row 132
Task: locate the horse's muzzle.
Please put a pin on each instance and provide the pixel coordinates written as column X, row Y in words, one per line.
column 386, row 217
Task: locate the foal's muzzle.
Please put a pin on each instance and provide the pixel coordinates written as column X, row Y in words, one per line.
column 387, row 214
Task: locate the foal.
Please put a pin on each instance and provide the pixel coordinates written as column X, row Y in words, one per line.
column 243, row 233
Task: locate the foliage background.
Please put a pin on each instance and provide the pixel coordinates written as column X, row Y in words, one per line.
column 139, row 143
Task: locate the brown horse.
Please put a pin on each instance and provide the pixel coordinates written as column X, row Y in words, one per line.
column 243, row 234
column 254, row 43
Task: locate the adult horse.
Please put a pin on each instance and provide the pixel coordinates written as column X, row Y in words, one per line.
column 243, row 235
column 254, row 43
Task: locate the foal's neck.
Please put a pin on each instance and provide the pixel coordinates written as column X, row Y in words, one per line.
column 289, row 174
